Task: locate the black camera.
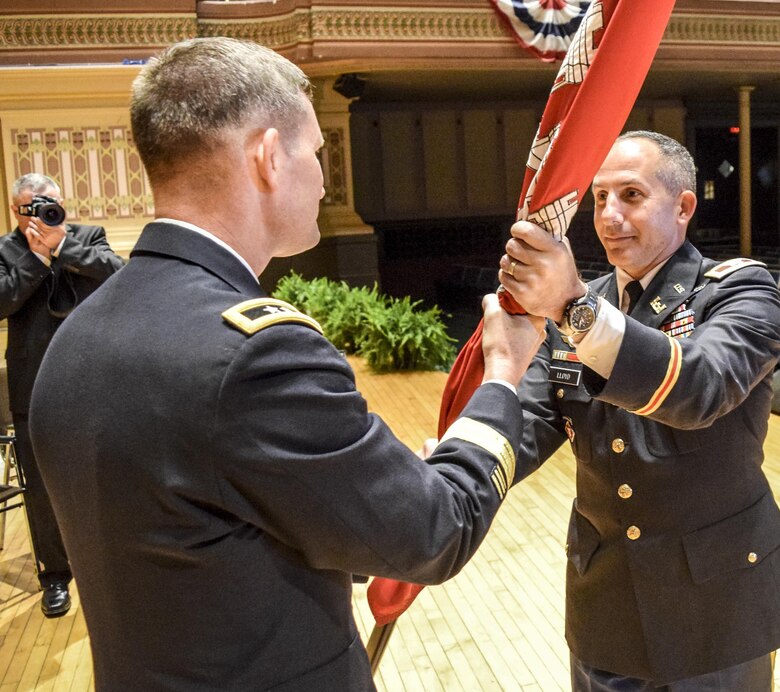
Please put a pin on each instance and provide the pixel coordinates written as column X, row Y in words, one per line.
column 47, row 209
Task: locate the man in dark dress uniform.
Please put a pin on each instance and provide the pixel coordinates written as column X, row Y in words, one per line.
column 229, row 472
column 673, row 579
column 45, row 272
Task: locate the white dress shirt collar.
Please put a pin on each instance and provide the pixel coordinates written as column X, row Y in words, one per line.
column 624, row 278
column 212, row 237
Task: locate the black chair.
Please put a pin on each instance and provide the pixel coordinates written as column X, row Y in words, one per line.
column 13, row 483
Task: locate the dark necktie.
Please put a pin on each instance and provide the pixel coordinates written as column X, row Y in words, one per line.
column 634, row 290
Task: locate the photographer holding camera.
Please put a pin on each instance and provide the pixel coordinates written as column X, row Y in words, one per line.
column 47, row 267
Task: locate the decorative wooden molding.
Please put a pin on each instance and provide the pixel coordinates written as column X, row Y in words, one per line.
column 361, row 29
column 723, row 29
column 345, row 24
column 94, row 31
column 394, row 24
column 277, row 32
column 65, row 86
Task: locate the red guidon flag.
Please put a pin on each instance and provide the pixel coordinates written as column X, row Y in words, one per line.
column 591, row 98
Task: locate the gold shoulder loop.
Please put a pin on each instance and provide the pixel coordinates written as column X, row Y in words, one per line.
column 732, row 265
column 493, row 442
column 258, row 313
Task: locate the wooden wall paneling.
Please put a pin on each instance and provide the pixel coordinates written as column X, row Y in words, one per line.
column 640, row 118
column 670, row 119
column 520, row 127
column 367, row 163
column 442, row 136
column 402, row 163
column 484, row 150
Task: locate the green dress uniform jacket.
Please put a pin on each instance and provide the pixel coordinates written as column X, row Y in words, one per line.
column 232, row 480
column 673, row 544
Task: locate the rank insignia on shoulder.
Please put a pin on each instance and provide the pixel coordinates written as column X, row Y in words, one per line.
column 732, row 265
column 258, row 313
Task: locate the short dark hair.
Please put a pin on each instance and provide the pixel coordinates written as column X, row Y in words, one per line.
column 677, row 171
column 192, row 96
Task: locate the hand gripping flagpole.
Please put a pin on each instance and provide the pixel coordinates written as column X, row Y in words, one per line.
column 591, row 98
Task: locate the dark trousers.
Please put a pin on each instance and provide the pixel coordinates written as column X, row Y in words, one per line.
column 751, row 676
column 53, row 565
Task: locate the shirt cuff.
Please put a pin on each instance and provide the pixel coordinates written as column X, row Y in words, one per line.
column 599, row 348
column 56, row 251
column 43, row 259
column 506, row 384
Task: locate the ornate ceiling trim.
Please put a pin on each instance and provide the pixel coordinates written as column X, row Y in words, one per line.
column 360, row 25
column 93, row 31
column 279, row 32
column 354, row 31
column 723, row 29
column 392, row 24
column 430, row 24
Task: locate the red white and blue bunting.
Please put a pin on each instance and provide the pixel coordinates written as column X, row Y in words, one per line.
column 544, row 27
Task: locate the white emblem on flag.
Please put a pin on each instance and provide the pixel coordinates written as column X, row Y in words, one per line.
column 556, row 216
column 582, row 51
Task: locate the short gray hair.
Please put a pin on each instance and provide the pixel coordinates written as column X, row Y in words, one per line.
column 677, row 171
column 37, row 183
column 191, row 97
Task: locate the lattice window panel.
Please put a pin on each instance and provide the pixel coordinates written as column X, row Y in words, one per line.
column 98, row 169
column 334, row 170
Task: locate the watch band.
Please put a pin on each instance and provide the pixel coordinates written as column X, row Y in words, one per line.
column 580, row 315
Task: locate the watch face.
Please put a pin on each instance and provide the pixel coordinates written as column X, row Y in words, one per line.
column 582, row 317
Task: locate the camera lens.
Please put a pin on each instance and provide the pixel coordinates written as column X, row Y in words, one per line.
column 51, row 214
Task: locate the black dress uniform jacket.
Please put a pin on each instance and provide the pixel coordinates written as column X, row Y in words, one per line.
column 673, row 544
column 232, row 480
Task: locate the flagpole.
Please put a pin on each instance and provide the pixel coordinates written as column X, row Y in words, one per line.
column 377, row 643
column 558, row 174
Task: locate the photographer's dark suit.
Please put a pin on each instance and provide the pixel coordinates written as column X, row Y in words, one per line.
column 36, row 298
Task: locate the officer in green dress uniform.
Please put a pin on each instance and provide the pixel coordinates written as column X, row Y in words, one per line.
column 673, row 578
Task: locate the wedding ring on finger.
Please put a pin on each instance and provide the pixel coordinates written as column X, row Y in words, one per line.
column 512, row 266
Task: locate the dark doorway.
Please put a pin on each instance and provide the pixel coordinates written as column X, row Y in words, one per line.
column 717, row 159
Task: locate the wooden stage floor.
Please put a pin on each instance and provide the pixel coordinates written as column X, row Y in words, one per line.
column 496, row 626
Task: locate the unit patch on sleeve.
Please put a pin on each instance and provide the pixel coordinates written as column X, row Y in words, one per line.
column 258, row 313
